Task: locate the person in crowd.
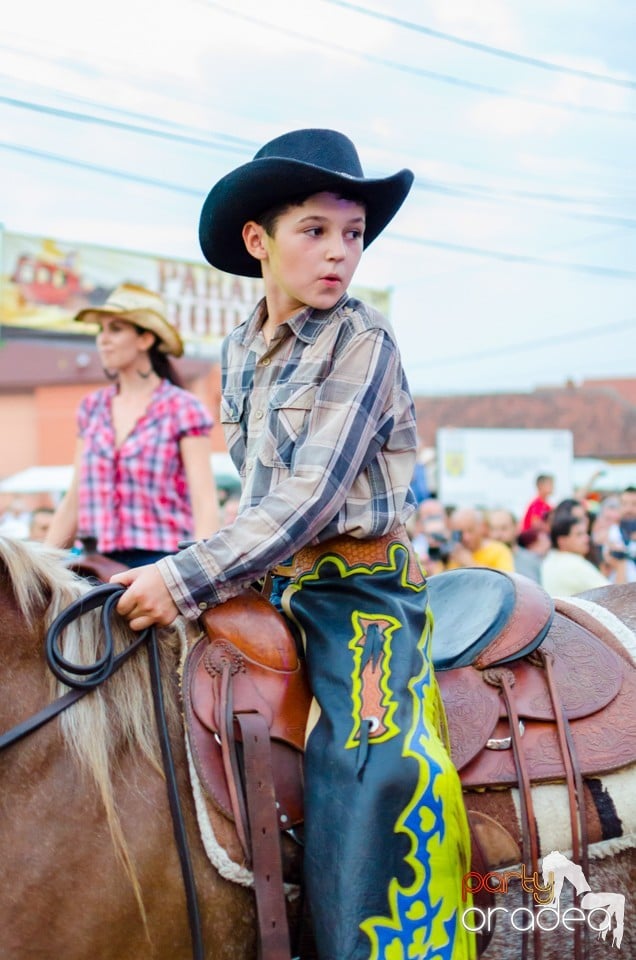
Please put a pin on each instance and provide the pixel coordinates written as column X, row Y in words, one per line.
column 537, row 511
column 565, row 570
column 472, row 547
column 569, row 507
column 606, row 516
column 14, row 522
column 431, row 536
column 419, row 481
column 575, row 507
column 429, row 509
column 532, row 546
column 621, row 537
column 143, row 479
column 502, row 525
column 321, row 424
column 40, row 523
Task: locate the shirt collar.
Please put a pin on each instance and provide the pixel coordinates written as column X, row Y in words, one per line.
column 306, row 324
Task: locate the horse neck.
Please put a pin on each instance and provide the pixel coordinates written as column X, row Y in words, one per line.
column 24, row 686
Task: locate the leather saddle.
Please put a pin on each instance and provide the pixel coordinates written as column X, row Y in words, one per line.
column 531, row 694
column 247, row 664
column 92, row 565
column 476, row 642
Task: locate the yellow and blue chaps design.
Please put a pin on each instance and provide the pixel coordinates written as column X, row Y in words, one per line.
column 386, row 837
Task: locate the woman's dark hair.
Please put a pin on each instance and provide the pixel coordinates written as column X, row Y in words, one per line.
column 161, row 363
column 562, row 527
column 564, row 509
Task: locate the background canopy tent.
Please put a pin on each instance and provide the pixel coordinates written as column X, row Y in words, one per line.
column 57, row 479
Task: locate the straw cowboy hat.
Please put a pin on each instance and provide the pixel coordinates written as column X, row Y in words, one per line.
column 144, row 309
column 294, row 165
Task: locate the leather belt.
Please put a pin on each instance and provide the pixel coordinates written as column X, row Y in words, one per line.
column 352, row 550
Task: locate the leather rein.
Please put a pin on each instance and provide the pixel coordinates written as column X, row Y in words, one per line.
column 83, row 678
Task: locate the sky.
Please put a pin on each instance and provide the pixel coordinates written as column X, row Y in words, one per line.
column 512, row 264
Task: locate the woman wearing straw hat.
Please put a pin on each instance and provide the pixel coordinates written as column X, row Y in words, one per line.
column 321, row 424
column 143, row 479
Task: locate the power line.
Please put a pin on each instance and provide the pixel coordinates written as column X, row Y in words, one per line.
column 120, row 125
column 609, row 272
column 230, row 139
column 197, row 136
column 483, row 194
column 106, row 171
column 463, row 188
column 224, row 142
column 522, row 259
column 487, row 48
column 510, row 349
column 567, row 105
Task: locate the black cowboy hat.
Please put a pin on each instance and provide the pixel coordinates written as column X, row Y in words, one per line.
column 294, row 165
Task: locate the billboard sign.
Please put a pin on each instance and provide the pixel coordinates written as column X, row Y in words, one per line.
column 45, row 282
column 492, row 468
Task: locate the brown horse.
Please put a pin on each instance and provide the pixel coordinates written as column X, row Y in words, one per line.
column 89, row 864
column 90, row 867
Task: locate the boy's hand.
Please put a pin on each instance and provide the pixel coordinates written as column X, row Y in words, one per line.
column 147, row 600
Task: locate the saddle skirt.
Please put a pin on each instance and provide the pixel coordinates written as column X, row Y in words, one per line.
column 247, row 641
column 594, row 684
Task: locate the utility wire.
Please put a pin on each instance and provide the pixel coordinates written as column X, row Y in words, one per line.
column 492, row 195
column 120, row 125
column 248, row 145
column 567, row 105
column 484, row 253
column 509, row 350
column 217, row 141
column 505, row 257
column 106, row 171
column 251, row 145
column 482, row 190
column 487, row 48
column 198, row 136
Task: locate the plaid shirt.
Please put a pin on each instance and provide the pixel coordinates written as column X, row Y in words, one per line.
column 321, row 427
column 136, row 495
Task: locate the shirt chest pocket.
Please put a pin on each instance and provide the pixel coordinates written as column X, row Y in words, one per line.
column 231, row 416
column 289, row 408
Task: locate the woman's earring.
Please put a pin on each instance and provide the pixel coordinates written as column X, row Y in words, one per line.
column 111, row 374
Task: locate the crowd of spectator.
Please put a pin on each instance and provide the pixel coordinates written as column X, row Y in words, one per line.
column 568, row 547
column 575, row 545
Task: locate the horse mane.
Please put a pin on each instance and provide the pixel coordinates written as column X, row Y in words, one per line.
column 116, row 716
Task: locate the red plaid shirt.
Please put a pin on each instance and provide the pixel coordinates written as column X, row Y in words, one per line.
column 136, row 495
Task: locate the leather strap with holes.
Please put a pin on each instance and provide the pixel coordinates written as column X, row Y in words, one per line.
column 273, row 931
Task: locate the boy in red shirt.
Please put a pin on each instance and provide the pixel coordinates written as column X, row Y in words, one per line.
column 539, row 509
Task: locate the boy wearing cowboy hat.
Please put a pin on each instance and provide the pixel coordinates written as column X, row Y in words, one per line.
column 320, row 422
